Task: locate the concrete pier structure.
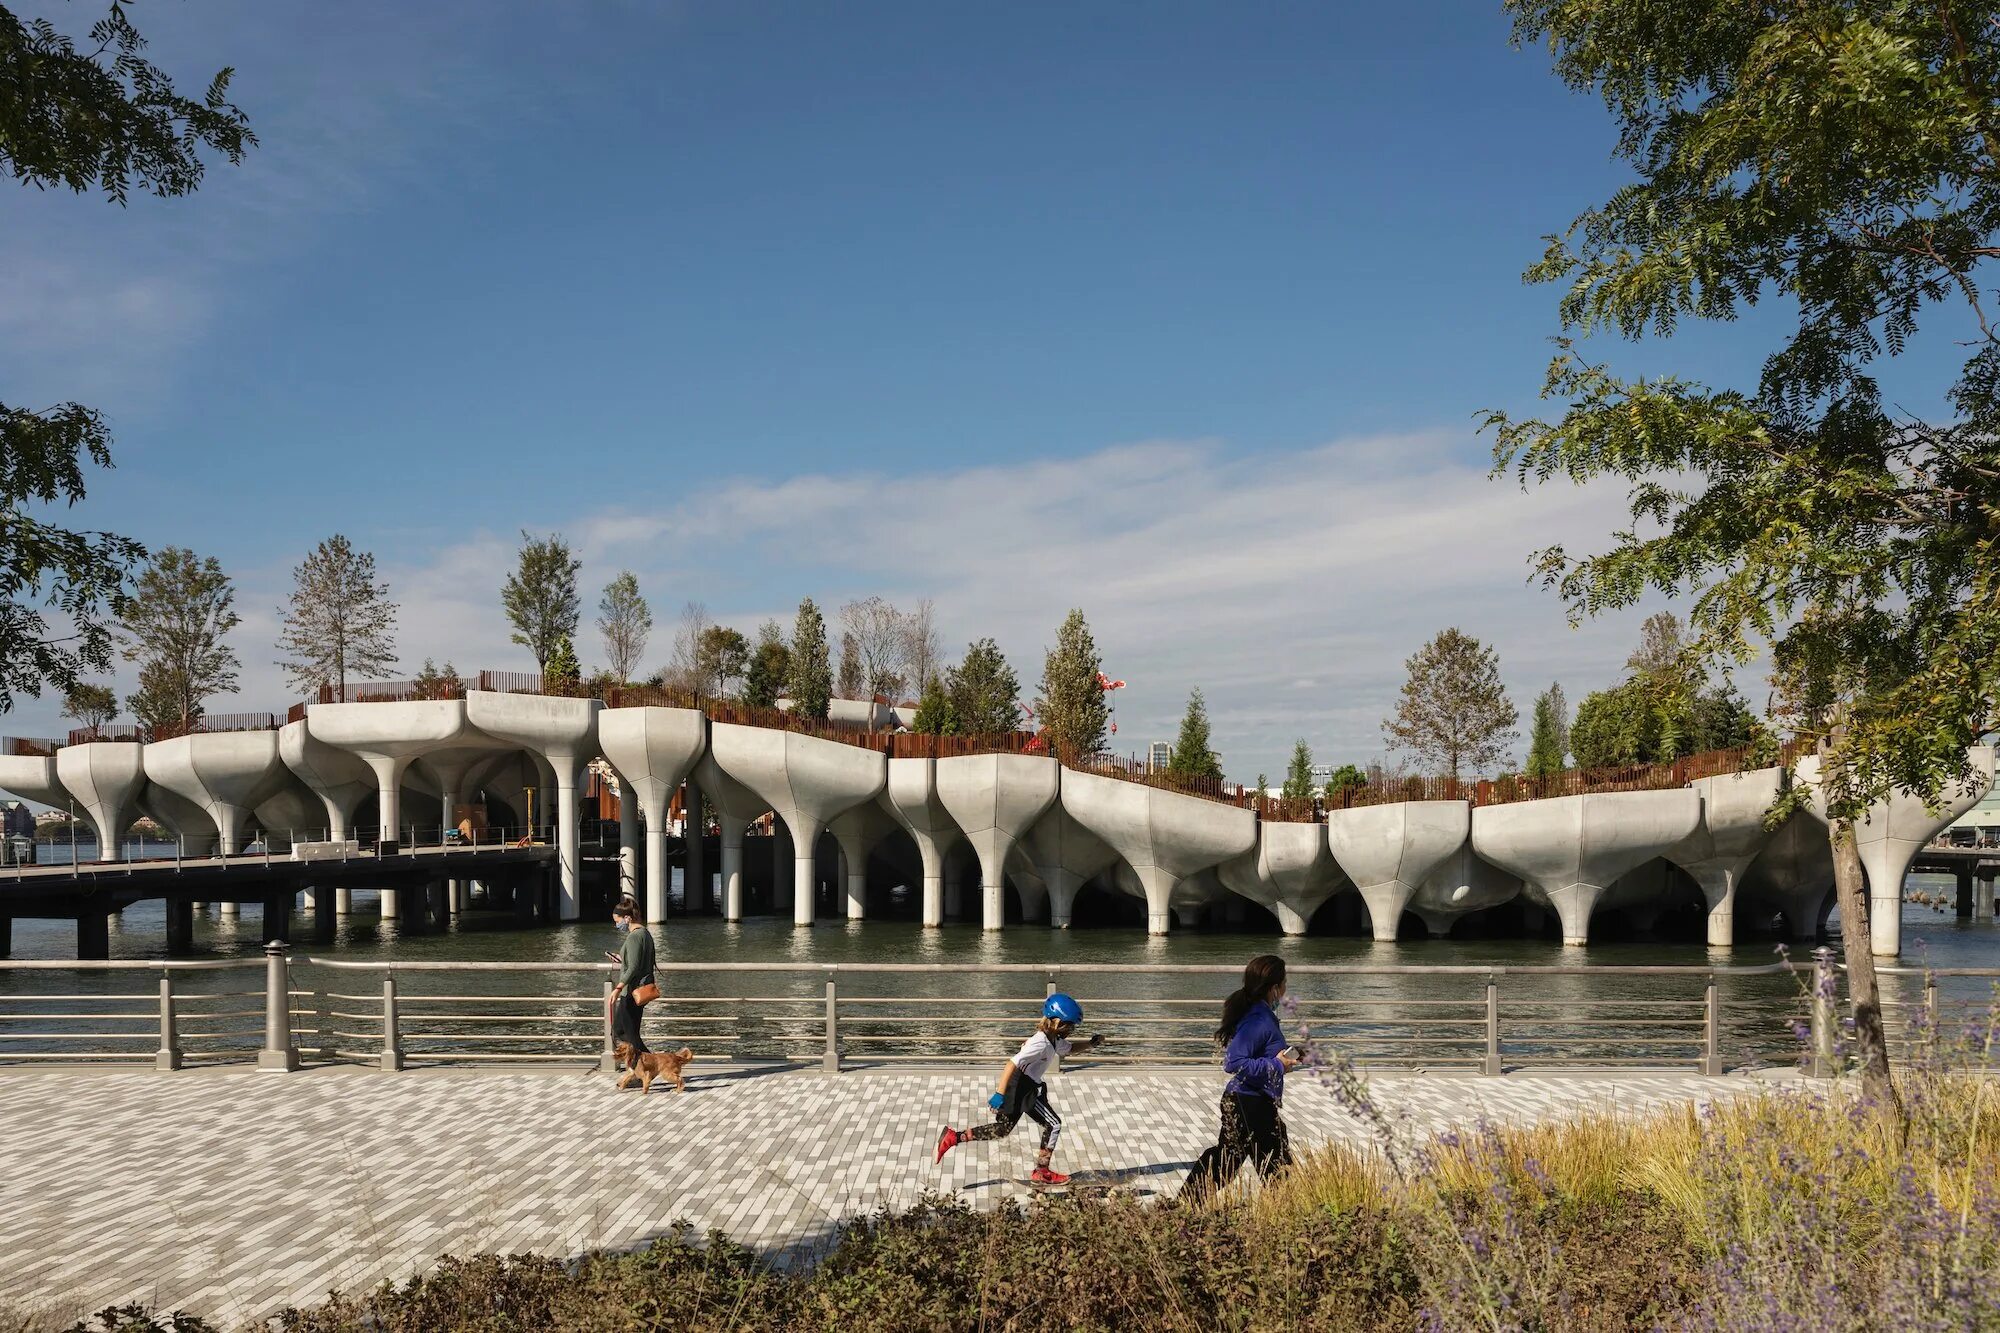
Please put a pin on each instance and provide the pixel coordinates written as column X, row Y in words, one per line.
column 995, row 799
column 1066, row 856
column 194, row 833
column 388, row 737
column 340, row 780
column 1461, row 885
column 911, row 797
column 563, row 733
column 654, row 750
column 1163, row 836
column 105, row 779
column 1569, row 850
column 1727, row 840
column 226, row 774
column 1389, row 850
column 806, row 781
column 857, row 831
column 1889, row 839
column 1291, row 871
column 736, row 807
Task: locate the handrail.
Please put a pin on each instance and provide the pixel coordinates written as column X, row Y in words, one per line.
column 1043, row 969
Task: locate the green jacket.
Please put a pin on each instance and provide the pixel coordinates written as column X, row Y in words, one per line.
column 635, row 959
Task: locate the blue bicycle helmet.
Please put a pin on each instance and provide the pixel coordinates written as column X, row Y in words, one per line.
column 1062, row 1008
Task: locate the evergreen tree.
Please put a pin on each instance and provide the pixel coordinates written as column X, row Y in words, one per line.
column 562, row 671
column 1454, row 713
column 1549, row 734
column 340, row 621
column 432, row 683
column 809, row 683
column 1299, row 777
column 182, row 606
column 1071, row 705
column 935, row 714
column 1191, row 756
column 1344, row 778
column 540, row 597
column 985, row 694
column 770, row 667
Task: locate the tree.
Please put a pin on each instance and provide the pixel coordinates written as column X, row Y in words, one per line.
column 562, row 670
column 722, row 655
column 809, row 681
column 1071, row 703
column 159, row 702
column 1860, row 544
column 984, row 692
column 175, row 622
column 1299, row 777
column 103, row 118
column 625, row 621
column 935, row 714
column 1618, row 726
column 540, row 597
column 432, row 683
column 1454, row 714
column 1548, row 737
column 922, row 647
column 91, row 705
column 1191, row 757
column 1345, row 778
column 880, row 635
column 851, row 676
column 340, row 620
column 684, row 667
column 770, row 667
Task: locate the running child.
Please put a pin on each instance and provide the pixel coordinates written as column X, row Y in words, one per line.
column 1024, row 1088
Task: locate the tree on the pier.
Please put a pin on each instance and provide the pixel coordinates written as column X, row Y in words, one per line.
column 1299, row 776
column 100, row 118
column 340, row 621
column 1548, row 736
column 540, row 596
column 1454, row 713
column 1344, row 779
column 722, row 655
column 1071, row 704
column 935, row 715
column 922, row 647
column 1191, row 756
column 770, row 667
column 91, row 705
column 562, row 672
column 626, row 622
column 1843, row 164
column 809, row 681
column 175, row 625
column 985, row 693
column 878, row 636
column 849, row 684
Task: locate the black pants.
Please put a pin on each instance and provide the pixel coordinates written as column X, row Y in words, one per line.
column 625, row 1016
column 1024, row 1097
column 1251, row 1131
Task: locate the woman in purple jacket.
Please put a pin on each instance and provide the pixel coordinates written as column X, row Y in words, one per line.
column 1256, row 1057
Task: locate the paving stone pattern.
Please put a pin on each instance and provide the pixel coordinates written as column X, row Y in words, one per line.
column 235, row 1192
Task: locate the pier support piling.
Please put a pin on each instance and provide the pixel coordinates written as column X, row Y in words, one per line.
column 180, row 927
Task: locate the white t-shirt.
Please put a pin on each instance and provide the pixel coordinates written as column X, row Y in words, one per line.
column 1038, row 1053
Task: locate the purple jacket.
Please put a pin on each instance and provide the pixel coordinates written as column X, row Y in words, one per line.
column 1252, row 1055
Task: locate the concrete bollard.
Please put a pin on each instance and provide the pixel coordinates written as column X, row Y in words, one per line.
column 278, row 1054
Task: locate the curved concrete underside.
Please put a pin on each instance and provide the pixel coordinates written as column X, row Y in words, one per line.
column 911, row 797
column 1163, row 836
column 340, row 780
column 735, row 807
column 857, row 831
column 227, row 774
column 33, row 779
column 1291, row 871
column 994, row 799
column 1793, row 875
column 1189, row 898
column 388, row 737
column 1892, row 835
column 193, row 830
column 1389, row 850
column 1730, row 835
column 654, row 750
column 288, row 815
column 1066, row 856
column 806, row 781
column 1461, row 885
column 563, row 732
column 1569, row 851
column 105, row 778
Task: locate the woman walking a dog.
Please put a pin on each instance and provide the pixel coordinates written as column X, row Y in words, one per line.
column 637, row 985
column 1256, row 1057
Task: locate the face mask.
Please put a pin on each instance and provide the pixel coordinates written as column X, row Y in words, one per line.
column 620, row 926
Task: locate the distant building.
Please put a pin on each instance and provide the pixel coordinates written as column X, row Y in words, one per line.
column 1159, row 756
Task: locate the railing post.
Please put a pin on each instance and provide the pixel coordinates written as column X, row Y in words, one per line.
column 1711, row 1030
column 169, row 1055
column 1491, row 1065
column 1822, row 1064
column 1930, row 1011
column 278, row 1054
column 607, row 1062
column 392, row 1028
column 830, row 1062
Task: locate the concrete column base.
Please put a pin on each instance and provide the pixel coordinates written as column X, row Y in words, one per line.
column 1982, row 900
column 805, row 888
column 1290, row 920
column 1385, row 908
column 1574, row 904
column 180, row 928
column 93, row 936
column 343, row 901
column 231, row 911
column 933, row 901
column 857, row 896
column 732, row 880
column 1063, row 888
column 1885, row 922
column 993, row 906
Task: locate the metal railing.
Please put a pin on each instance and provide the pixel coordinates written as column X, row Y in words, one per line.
column 364, row 842
column 1486, row 1020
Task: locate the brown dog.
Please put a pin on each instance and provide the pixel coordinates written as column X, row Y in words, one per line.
column 652, row 1065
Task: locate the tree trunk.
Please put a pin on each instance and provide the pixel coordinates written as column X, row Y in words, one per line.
column 1851, row 892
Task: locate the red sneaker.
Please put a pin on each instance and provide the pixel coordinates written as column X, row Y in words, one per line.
column 1041, row 1175
column 948, row 1140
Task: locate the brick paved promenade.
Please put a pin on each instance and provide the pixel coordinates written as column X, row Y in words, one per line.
column 234, row 1192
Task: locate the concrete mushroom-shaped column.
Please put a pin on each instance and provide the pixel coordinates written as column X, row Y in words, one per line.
column 995, row 799
column 226, row 773
column 32, row 778
column 736, row 807
column 1894, row 832
column 1164, row 836
column 806, row 780
column 1793, row 875
column 911, row 797
column 654, row 750
column 106, row 778
column 857, row 831
column 190, row 824
column 1066, row 856
column 562, row 731
column 452, row 770
column 387, row 737
column 290, row 813
column 1290, row 871
column 341, row 780
column 1463, row 884
column 1721, row 848
column 1569, row 850
column 1389, row 850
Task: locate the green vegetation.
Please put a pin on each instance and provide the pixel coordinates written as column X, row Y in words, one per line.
column 1299, row 775
column 540, row 597
column 770, row 667
column 809, row 681
column 174, row 623
column 1191, row 756
column 626, row 622
column 90, row 705
column 1549, row 736
column 1453, row 713
column 562, row 669
column 984, row 692
column 1345, row 778
column 935, row 714
column 1071, row 705
column 339, row 620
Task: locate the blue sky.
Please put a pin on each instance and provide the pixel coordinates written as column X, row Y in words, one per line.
column 1179, row 313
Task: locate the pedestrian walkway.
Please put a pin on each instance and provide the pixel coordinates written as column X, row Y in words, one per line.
column 232, row 1193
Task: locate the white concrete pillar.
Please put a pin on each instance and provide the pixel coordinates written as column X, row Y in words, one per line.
column 1982, row 899
column 1159, row 886
column 1574, row 906
column 1290, row 920
column 1718, row 889
column 933, row 863
column 392, row 904
column 389, row 794
column 232, row 910
column 628, row 850
column 343, row 902
column 571, row 906
column 694, row 880
column 1385, row 908
column 732, row 870
column 805, row 875
column 1063, row 888
column 454, row 896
